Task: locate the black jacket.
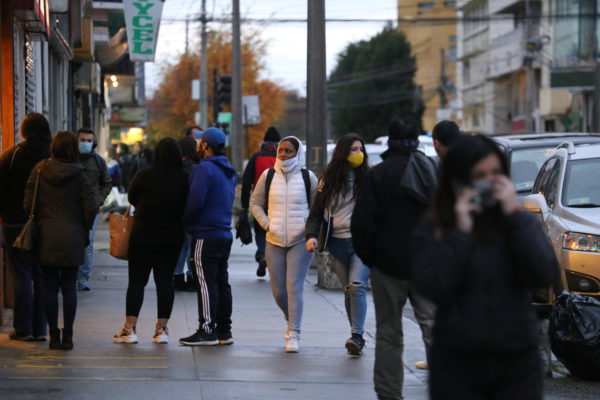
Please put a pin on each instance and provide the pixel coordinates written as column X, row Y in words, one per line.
column 159, row 196
column 97, row 172
column 260, row 161
column 385, row 217
column 13, row 178
column 65, row 211
column 482, row 288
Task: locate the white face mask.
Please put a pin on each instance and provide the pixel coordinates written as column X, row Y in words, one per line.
column 286, row 165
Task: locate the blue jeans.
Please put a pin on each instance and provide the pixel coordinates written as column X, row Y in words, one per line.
column 83, row 274
column 29, row 317
column 287, row 268
column 261, row 241
column 353, row 275
column 184, row 256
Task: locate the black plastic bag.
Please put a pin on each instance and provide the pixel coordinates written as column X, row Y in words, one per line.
column 575, row 334
column 243, row 230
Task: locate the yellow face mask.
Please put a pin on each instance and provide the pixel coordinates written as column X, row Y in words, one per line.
column 356, row 159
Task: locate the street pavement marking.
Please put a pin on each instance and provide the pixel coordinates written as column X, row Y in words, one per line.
column 71, row 378
column 94, row 358
column 90, row 366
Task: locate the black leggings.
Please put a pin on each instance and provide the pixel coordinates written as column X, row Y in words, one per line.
column 161, row 261
column 63, row 279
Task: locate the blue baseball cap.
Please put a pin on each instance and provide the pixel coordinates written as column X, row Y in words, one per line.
column 214, row 137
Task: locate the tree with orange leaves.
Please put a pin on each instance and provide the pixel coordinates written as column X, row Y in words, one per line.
column 172, row 109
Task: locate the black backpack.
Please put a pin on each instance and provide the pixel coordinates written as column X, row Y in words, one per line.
column 271, row 174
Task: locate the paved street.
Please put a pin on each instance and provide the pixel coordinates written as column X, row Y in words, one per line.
column 255, row 367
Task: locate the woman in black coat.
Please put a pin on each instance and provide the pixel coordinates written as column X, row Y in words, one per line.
column 65, row 210
column 158, row 193
column 29, row 318
column 478, row 257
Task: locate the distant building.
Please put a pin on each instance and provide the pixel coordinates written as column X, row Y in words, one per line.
column 434, row 46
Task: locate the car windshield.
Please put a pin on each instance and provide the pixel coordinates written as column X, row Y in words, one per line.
column 580, row 188
column 525, row 164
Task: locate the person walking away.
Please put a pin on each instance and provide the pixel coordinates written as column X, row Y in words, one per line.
column 158, row 194
column 393, row 199
column 124, row 158
column 443, row 134
column 478, row 257
column 336, row 197
column 181, row 280
column 260, row 161
column 29, row 319
column 114, row 168
column 65, row 211
column 207, row 218
column 142, row 158
column 280, row 203
column 97, row 172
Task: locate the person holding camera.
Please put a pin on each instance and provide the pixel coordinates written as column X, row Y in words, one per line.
column 478, row 257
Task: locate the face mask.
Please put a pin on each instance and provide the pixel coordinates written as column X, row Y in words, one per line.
column 356, row 159
column 85, row 147
column 286, row 165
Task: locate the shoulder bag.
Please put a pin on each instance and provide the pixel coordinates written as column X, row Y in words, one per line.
column 26, row 239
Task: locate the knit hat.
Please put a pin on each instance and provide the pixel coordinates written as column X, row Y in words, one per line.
column 271, row 135
column 214, row 137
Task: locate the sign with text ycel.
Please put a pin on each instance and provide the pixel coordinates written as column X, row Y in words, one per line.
column 142, row 19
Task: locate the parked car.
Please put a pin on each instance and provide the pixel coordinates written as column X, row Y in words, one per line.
column 566, row 197
column 526, row 153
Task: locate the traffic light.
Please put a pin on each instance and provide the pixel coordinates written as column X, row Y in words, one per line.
column 224, row 89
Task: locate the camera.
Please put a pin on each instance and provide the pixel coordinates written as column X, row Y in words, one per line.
column 485, row 197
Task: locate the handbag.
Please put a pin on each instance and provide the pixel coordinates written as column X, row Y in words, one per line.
column 26, row 239
column 325, row 233
column 120, row 231
column 242, row 228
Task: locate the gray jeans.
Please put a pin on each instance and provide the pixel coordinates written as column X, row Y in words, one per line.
column 390, row 295
column 287, row 270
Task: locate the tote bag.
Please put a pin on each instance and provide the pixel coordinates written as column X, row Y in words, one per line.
column 120, row 230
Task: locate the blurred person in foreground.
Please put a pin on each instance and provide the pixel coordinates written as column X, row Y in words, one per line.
column 478, row 257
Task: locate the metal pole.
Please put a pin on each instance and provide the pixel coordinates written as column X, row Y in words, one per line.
column 236, row 134
column 529, row 73
column 203, row 70
column 316, row 91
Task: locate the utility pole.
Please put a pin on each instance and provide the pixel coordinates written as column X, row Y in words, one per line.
column 443, row 80
column 187, row 36
column 235, row 136
column 596, row 109
column 203, row 69
column 316, row 91
column 529, row 72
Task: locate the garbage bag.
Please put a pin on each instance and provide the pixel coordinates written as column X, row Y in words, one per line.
column 243, row 230
column 575, row 334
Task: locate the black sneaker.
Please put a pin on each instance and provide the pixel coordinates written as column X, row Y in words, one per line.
column 200, row 338
column 355, row 344
column 262, row 268
column 225, row 338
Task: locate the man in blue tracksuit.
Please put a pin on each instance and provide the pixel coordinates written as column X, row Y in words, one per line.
column 207, row 219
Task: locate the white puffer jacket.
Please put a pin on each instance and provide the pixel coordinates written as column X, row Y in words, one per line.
column 288, row 209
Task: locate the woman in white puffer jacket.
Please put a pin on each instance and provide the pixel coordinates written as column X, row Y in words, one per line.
column 282, row 212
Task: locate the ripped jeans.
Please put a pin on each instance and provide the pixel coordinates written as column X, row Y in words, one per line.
column 353, row 275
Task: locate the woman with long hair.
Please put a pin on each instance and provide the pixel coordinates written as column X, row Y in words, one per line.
column 478, row 257
column 16, row 163
column 334, row 203
column 65, row 209
column 158, row 194
column 280, row 203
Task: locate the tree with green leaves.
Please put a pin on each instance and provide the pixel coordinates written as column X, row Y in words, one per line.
column 373, row 83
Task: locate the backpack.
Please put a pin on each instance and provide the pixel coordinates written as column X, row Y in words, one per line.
column 271, row 174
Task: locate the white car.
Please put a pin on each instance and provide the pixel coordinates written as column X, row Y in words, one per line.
column 566, row 197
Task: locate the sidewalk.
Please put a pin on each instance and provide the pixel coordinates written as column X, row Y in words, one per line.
column 255, row 367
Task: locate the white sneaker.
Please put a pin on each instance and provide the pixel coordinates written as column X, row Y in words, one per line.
column 161, row 336
column 126, row 336
column 291, row 342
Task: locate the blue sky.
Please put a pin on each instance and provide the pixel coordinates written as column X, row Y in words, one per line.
column 286, row 43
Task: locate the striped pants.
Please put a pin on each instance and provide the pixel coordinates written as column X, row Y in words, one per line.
column 209, row 267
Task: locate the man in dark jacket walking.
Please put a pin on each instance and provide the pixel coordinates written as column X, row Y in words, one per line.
column 394, row 197
column 97, row 173
column 207, row 218
column 16, row 164
column 264, row 159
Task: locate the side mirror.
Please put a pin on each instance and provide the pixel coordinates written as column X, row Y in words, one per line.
column 536, row 204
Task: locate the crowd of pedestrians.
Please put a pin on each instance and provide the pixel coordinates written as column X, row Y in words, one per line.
column 446, row 234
